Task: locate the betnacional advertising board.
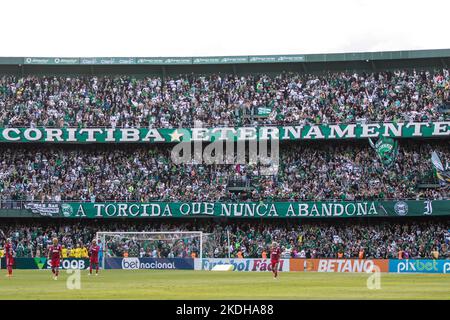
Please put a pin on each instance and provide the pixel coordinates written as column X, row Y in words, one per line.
column 134, row 263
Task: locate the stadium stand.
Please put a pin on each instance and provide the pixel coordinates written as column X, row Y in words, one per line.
column 390, row 87
column 382, row 240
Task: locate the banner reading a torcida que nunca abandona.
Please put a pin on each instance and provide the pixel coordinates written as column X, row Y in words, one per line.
column 287, row 210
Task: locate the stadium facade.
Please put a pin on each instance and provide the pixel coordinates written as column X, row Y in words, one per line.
column 169, row 66
column 426, row 198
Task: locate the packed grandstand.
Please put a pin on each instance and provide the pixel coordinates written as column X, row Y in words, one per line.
column 411, row 171
column 384, row 239
column 223, row 100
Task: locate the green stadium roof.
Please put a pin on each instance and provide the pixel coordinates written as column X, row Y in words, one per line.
column 291, row 58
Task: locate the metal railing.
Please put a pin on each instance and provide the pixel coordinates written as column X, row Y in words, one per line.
column 260, row 123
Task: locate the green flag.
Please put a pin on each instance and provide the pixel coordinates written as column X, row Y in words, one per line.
column 386, row 149
column 442, row 173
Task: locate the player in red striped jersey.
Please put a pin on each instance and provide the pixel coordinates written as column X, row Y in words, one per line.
column 9, row 257
column 55, row 256
column 94, row 249
column 275, row 254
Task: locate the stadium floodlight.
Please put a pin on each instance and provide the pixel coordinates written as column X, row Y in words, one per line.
column 164, row 244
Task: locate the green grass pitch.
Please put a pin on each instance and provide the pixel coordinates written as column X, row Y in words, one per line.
column 180, row 284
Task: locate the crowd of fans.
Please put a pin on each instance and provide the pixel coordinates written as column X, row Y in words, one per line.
column 313, row 171
column 242, row 239
column 223, row 100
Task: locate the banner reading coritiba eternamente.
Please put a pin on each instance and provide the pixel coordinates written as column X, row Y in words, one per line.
column 282, row 133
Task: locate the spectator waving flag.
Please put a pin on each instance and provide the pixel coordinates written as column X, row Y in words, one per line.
column 443, row 174
column 386, row 149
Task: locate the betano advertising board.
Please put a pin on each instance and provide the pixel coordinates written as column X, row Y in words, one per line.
column 339, row 265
